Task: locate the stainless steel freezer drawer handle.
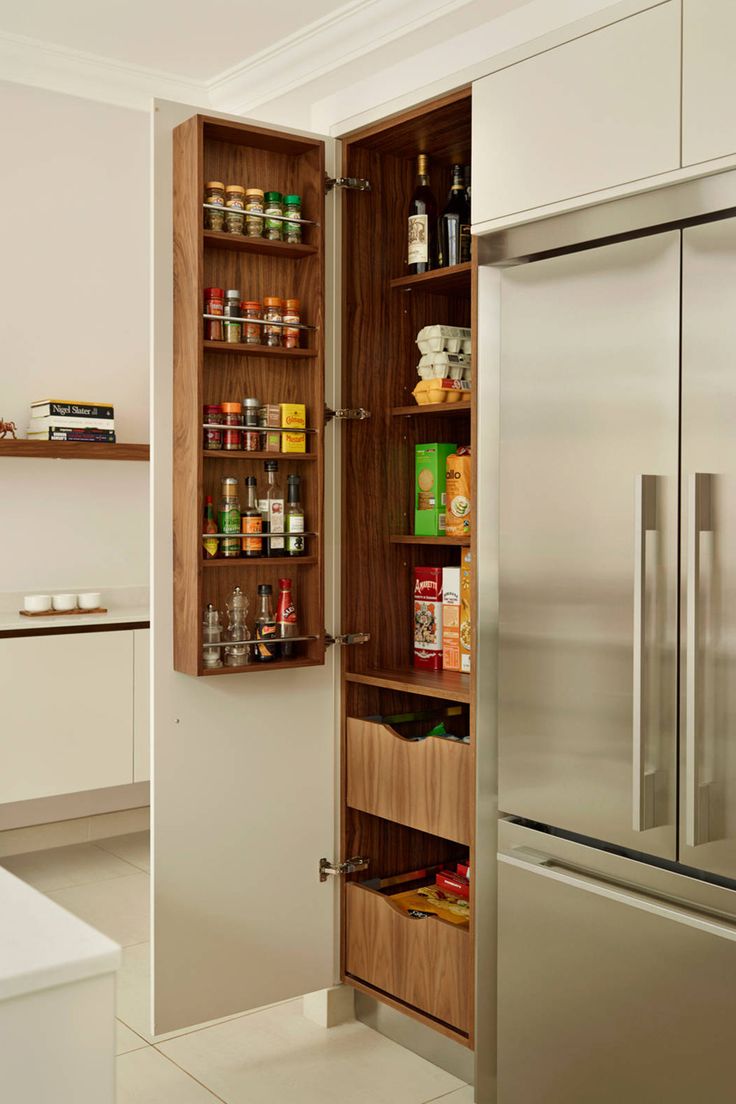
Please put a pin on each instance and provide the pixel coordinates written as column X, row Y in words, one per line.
column 670, row 908
column 699, row 520
column 643, row 781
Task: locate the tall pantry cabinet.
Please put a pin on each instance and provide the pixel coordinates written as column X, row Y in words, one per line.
column 404, row 806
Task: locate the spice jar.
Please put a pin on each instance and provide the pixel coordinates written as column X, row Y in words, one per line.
column 232, row 417
column 272, row 312
column 291, row 331
column 214, row 195
column 233, row 330
column 254, row 213
column 212, row 417
column 251, row 308
column 274, row 206
column 214, row 303
column 251, row 436
column 234, row 208
column 293, row 230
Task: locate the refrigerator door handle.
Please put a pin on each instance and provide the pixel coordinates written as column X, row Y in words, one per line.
column 699, row 520
column 643, row 781
column 625, row 893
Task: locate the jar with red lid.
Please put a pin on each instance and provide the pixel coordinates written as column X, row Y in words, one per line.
column 253, row 333
column 232, row 417
column 214, row 303
column 291, row 331
column 212, row 436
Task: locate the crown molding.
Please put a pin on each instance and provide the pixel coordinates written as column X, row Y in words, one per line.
column 353, row 30
column 76, row 73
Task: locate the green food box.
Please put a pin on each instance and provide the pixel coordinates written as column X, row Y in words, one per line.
column 429, row 488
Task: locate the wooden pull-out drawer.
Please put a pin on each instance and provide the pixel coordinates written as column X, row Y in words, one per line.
column 425, row 784
column 424, row 962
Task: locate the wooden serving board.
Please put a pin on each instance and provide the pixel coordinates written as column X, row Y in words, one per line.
column 60, row 613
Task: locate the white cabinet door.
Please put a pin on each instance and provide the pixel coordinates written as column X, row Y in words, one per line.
column 141, row 702
column 66, row 708
column 708, row 80
column 596, row 112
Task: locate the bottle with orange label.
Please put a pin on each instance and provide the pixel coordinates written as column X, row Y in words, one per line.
column 251, row 522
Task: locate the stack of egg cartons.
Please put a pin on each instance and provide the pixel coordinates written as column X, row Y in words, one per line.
column 445, row 366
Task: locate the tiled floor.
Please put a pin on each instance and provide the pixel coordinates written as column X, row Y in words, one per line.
column 272, row 1056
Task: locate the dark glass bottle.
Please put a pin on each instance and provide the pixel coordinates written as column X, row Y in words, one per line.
column 265, row 626
column 454, row 226
column 251, row 521
column 422, row 223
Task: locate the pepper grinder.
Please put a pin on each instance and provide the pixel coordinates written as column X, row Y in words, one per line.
column 237, row 654
column 211, row 637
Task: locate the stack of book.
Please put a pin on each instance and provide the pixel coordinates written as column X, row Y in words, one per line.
column 62, row 420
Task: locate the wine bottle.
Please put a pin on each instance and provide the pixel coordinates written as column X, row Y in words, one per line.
column 454, row 226
column 422, row 226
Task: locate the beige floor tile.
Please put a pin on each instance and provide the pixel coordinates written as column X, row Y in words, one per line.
column 106, row 825
column 61, row 867
column 118, row 907
column 127, row 1040
column 465, row 1095
column 146, row 1077
column 134, row 848
column 276, row 1055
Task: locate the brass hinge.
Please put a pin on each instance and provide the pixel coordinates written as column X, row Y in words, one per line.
column 352, row 183
column 347, row 414
column 337, row 870
column 347, row 638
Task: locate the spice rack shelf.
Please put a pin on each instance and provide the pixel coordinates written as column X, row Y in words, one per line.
column 440, row 281
column 260, row 561
column 218, row 239
column 432, row 408
column 274, row 665
column 449, row 685
column 259, row 350
column 74, row 450
column 457, row 542
column 241, row 454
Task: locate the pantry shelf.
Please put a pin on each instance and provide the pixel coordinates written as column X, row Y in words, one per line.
column 461, row 542
column 260, row 561
column 74, row 450
column 274, row 665
column 449, row 685
column 259, row 350
column 242, row 244
column 432, row 408
column 258, row 454
column 440, row 281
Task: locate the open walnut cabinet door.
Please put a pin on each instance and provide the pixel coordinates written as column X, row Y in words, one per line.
column 245, row 765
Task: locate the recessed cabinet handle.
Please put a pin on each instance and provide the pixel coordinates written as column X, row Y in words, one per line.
column 643, row 781
column 699, row 520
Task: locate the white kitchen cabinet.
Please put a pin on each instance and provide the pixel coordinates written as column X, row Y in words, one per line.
column 593, row 113
column 141, row 693
column 67, row 713
column 708, row 80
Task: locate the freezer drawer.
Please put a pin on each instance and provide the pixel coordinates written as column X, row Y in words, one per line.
column 607, row 993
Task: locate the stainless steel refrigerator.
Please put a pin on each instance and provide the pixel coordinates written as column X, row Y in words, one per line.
column 617, row 673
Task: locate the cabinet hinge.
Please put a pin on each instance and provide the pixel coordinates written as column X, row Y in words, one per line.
column 347, row 414
column 347, row 638
column 353, row 183
column 336, row 870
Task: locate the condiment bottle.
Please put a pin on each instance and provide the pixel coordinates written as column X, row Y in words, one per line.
column 252, row 521
column 237, row 652
column 229, row 519
column 214, row 195
column 291, row 332
column 254, row 213
column 251, row 436
column 273, row 206
column 294, row 518
column 286, row 618
column 271, row 505
column 252, row 334
column 293, row 230
column 232, row 417
column 272, row 312
column 233, row 330
column 214, row 303
column 211, row 637
column 210, row 544
column 265, row 626
column 212, row 436
column 234, row 208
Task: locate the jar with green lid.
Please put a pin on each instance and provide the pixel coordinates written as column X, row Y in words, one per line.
column 214, row 196
column 234, row 208
column 254, row 213
column 293, row 230
column 274, row 206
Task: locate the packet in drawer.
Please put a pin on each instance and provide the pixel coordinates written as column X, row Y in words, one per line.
column 430, row 466
column 428, row 618
column 465, row 627
column 458, row 493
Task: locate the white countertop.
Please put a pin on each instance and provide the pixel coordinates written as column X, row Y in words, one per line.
column 43, row 945
column 123, row 604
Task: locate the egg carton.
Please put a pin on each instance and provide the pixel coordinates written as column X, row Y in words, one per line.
column 444, row 339
column 444, row 366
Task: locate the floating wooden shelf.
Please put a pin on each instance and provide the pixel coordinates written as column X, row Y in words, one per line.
column 243, row 244
column 241, row 454
column 461, row 542
column 260, row 561
column 450, row 685
column 432, row 408
column 259, row 350
column 441, row 281
column 74, row 450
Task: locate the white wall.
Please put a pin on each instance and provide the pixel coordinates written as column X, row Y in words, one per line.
column 74, row 283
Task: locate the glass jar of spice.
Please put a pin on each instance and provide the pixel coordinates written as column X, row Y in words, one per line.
column 254, row 213
column 293, row 230
column 233, row 330
column 251, row 308
column 251, row 436
column 212, row 417
column 214, row 303
column 214, row 195
column 274, row 206
column 272, row 312
column 234, row 208
column 232, row 417
column 291, row 324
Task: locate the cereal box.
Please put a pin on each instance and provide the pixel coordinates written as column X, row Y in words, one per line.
column 459, row 493
column 451, row 618
column 429, row 488
column 428, row 618
column 465, row 626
